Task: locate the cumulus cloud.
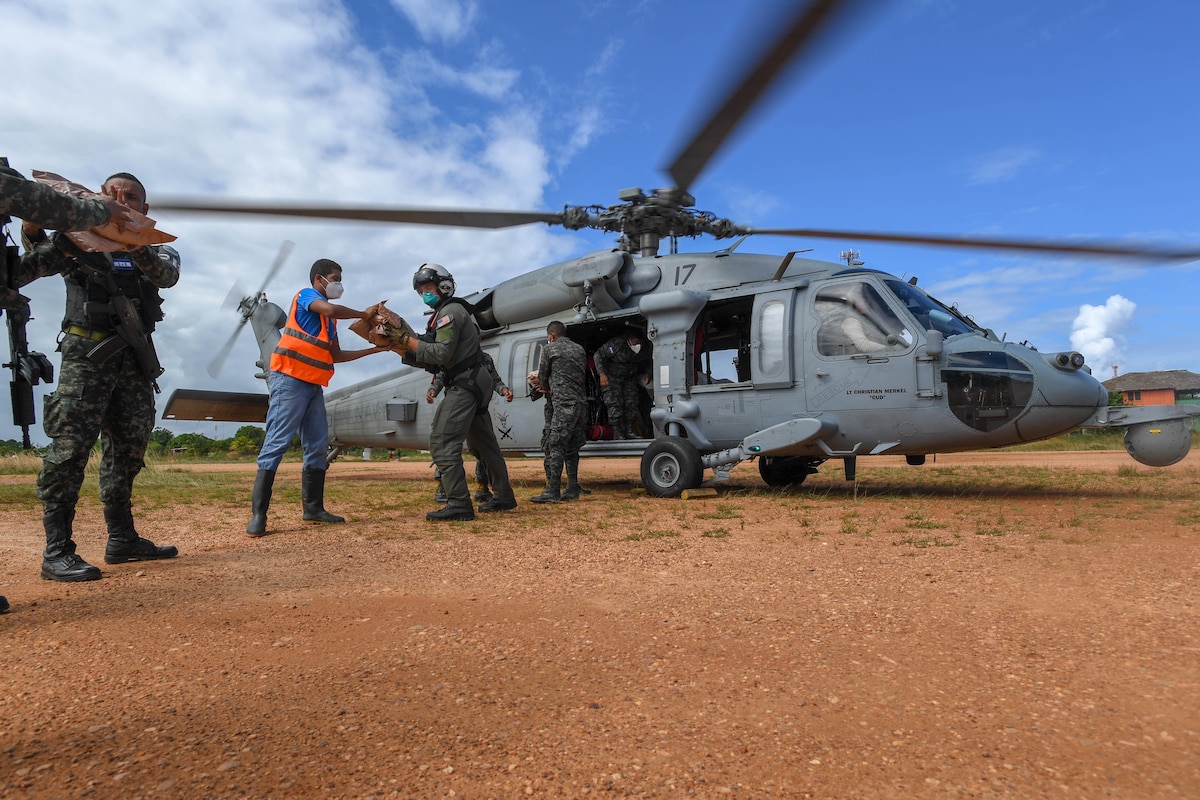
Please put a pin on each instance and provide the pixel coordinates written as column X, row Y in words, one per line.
column 273, row 99
column 1099, row 331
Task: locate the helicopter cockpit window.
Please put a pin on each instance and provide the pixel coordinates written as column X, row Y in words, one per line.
column 855, row 320
column 930, row 314
column 722, row 343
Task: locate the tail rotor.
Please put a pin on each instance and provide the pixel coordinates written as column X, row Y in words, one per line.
column 246, row 306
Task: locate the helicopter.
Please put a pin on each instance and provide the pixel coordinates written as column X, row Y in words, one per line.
column 778, row 359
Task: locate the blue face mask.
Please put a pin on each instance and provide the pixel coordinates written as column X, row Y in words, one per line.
column 430, row 298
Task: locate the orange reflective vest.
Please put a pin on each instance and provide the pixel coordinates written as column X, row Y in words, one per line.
column 304, row 356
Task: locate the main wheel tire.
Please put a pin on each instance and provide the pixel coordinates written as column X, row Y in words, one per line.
column 670, row 465
column 786, row 470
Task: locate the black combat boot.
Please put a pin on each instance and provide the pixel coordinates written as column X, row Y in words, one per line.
column 59, row 562
column 260, row 502
column 483, row 494
column 124, row 544
column 550, row 495
column 573, row 489
column 452, row 514
column 3, row 604
column 312, row 490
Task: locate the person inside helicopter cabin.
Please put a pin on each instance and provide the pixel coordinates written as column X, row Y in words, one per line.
column 851, row 322
column 624, row 364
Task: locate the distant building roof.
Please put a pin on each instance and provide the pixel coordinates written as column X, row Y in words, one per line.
column 1179, row 380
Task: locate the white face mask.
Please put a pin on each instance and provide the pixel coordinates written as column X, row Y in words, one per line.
column 334, row 289
column 636, row 348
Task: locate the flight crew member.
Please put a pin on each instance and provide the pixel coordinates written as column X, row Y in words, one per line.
column 562, row 374
column 624, row 364
column 41, row 206
column 106, row 385
column 451, row 341
column 301, row 367
column 483, row 492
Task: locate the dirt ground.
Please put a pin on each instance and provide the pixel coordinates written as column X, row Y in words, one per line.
column 987, row 625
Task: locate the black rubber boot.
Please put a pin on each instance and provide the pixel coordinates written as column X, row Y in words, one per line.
column 312, row 490
column 260, row 502
column 124, row 544
column 59, row 562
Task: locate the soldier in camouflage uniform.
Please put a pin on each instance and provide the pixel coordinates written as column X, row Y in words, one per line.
column 42, row 206
column 483, row 492
column 109, row 396
column 47, row 208
column 624, row 363
column 561, row 376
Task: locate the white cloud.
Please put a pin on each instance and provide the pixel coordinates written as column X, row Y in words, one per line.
column 1099, row 331
column 270, row 99
column 443, row 20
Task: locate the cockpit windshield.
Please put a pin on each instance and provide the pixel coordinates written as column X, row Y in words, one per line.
column 931, row 314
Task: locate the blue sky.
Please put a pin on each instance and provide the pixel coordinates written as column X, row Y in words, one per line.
column 989, row 117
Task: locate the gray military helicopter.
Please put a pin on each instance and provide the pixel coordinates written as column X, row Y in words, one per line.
column 776, row 358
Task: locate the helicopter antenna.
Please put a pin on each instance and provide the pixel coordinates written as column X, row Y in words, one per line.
column 852, row 258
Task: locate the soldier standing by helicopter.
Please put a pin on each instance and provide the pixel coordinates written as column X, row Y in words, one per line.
column 41, row 206
column 624, row 366
column 106, row 384
column 561, row 375
column 451, row 342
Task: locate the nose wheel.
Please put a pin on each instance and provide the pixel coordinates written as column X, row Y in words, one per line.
column 670, row 465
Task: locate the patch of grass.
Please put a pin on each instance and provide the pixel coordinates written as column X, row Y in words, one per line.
column 918, row 520
column 716, row 533
column 925, row 541
column 651, row 534
column 722, row 511
column 1129, row 471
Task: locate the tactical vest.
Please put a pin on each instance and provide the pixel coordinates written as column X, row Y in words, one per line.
column 303, row 356
column 88, row 299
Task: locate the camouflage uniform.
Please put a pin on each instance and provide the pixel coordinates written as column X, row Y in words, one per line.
column 483, row 493
column 41, row 205
column 113, row 400
column 562, row 370
column 451, row 341
column 626, row 372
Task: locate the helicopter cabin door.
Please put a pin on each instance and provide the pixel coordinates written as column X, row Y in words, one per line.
column 744, row 363
column 861, row 352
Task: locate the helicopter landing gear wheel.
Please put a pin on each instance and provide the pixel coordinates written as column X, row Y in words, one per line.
column 670, row 465
column 786, row 470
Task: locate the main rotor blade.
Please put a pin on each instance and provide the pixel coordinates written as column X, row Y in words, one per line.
column 1132, row 250
column 285, row 249
column 456, row 217
column 801, row 35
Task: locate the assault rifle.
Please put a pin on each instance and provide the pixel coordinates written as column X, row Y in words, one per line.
column 28, row 368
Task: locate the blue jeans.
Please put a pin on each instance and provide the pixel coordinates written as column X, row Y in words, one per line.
column 294, row 405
